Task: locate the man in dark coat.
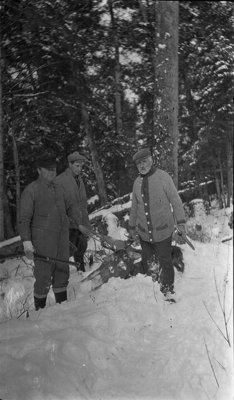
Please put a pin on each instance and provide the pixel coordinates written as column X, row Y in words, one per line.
column 156, row 207
column 44, row 229
column 74, row 191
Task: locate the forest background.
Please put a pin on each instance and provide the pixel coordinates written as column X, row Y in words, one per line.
column 108, row 77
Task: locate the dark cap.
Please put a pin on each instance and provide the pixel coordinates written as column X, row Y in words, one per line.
column 76, row 157
column 46, row 161
column 143, row 153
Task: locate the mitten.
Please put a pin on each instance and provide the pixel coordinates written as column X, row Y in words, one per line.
column 28, row 249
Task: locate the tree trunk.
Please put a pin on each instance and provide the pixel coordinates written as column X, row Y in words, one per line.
column 17, row 177
column 166, row 82
column 8, row 225
column 229, row 151
column 217, row 184
column 118, row 107
column 198, row 186
column 221, row 180
column 143, row 11
column 1, row 159
column 95, row 159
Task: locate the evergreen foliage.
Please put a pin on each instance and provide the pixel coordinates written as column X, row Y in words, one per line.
column 58, row 55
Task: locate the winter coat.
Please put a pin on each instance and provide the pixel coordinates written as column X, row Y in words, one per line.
column 44, row 217
column 156, row 206
column 74, row 191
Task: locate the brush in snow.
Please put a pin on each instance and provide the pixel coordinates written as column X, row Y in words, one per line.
column 125, row 263
column 119, row 264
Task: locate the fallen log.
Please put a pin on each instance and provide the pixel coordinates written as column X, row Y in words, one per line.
column 10, row 241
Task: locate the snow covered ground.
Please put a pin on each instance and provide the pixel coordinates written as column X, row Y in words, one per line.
column 122, row 341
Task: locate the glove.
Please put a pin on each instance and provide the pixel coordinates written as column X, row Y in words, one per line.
column 179, row 238
column 28, row 249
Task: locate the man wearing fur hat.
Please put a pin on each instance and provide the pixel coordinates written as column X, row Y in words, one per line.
column 44, row 229
column 74, row 189
column 156, row 207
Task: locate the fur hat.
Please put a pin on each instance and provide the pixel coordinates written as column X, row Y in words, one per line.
column 76, row 157
column 143, row 153
column 46, row 161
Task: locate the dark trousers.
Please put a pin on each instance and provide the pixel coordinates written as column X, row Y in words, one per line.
column 51, row 244
column 80, row 241
column 162, row 252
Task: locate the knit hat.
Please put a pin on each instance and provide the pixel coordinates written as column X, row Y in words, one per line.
column 46, row 161
column 76, row 157
column 143, row 153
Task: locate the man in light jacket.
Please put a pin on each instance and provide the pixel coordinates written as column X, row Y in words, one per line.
column 156, row 207
column 74, row 190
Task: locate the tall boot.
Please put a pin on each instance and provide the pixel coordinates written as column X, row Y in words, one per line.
column 61, row 296
column 39, row 303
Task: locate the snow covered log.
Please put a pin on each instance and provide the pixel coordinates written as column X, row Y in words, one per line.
column 10, row 241
column 10, row 247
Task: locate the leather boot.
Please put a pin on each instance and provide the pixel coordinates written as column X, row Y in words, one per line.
column 61, row 296
column 39, row 303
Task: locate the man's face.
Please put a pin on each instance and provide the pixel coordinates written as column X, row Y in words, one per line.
column 47, row 173
column 76, row 167
column 144, row 165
